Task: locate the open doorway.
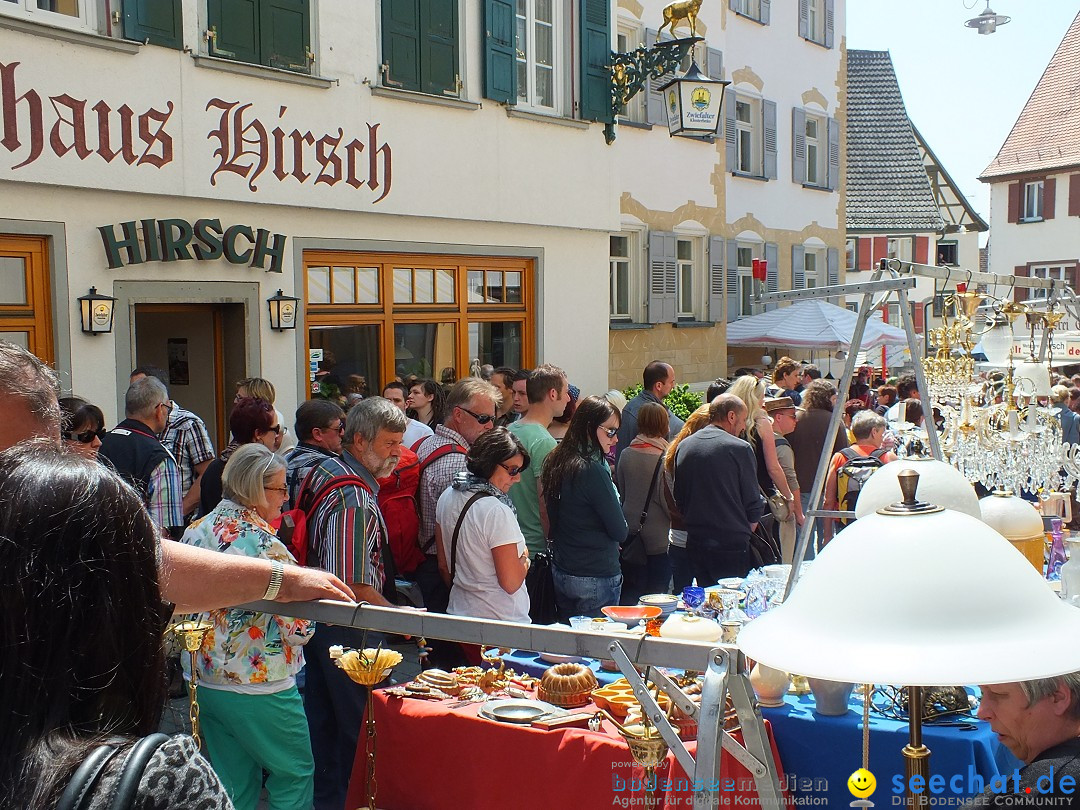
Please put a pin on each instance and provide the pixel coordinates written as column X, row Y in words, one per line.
column 202, row 346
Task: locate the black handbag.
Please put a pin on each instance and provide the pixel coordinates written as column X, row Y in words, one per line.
column 632, row 549
column 541, row 587
column 764, row 550
column 79, row 790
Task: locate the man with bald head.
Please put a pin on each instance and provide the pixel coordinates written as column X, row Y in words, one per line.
column 194, row 579
column 717, row 491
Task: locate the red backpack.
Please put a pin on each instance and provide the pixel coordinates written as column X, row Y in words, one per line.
column 397, row 502
column 292, row 525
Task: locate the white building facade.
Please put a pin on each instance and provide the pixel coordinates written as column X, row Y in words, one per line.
column 696, row 213
column 1035, row 181
column 423, row 176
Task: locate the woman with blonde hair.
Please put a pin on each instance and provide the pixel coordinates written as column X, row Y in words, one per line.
column 680, row 565
column 760, row 434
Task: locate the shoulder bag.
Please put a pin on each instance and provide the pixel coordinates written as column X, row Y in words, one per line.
column 457, row 530
column 632, row 549
column 77, row 794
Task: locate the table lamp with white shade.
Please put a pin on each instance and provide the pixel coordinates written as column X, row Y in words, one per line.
column 918, row 595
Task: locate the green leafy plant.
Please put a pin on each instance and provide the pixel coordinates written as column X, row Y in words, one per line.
column 681, row 401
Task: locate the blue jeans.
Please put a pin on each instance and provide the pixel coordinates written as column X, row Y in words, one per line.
column 584, row 596
column 817, row 536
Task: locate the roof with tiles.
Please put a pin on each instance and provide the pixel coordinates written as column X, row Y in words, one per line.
column 887, row 185
column 1046, row 136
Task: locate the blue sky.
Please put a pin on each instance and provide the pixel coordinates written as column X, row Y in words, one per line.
column 962, row 90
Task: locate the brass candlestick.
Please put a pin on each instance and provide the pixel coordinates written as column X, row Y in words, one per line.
column 192, row 632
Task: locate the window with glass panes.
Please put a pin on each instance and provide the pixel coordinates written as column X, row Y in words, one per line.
column 538, row 26
column 1033, row 200
column 619, row 264
column 746, row 255
column 383, row 316
column 25, row 310
column 1053, row 271
column 686, row 272
column 744, row 136
column 816, row 167
column 813, row 264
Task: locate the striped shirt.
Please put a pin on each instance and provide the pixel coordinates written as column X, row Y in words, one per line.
column 186, row 438
column 164, row 498
column 347, row 529
column 436, row 478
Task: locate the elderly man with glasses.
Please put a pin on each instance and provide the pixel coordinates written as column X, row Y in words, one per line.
column 135, row 451
column 319, row 426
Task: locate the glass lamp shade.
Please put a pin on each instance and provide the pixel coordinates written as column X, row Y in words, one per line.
column 918, row 599
column 693, row 103
column 939, row 483
column 1032, row 379
column 997, row 344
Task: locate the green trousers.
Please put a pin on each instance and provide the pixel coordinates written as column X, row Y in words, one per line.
column 248, row 734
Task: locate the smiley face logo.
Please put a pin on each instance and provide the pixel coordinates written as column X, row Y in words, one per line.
column 862, row 784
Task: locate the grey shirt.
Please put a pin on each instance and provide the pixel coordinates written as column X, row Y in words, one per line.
column 633, row 476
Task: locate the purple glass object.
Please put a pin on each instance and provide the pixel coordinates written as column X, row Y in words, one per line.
column 1057, row 551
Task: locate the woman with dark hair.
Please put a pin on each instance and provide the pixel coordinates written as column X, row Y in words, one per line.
column 560, row 424
column 586, row 518
column 82, row 426
column 252, row 420
column 425, row 402
column 482, row 553
column 79, row 551
column 640, row 480
column 252, row 714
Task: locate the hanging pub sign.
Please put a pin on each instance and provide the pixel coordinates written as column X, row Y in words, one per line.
column 169, row 240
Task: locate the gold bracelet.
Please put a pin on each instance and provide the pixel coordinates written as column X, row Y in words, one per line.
column 277, row 573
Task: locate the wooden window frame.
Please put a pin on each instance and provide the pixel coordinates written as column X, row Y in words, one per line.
column 35, row 316
column 386, row 314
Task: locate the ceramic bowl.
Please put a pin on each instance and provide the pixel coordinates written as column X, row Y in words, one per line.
column 630, row 615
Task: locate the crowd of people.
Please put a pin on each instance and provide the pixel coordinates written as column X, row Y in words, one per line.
column 503, row 468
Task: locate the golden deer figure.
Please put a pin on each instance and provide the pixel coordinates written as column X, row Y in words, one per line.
column 683, row 10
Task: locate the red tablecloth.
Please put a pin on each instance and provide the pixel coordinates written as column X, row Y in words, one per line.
column 428, row 756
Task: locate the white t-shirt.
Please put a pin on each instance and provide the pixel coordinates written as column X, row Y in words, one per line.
column 414, row 432
column 489, row 523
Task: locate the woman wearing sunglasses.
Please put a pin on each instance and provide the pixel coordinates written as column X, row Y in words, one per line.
column 82, row 426
column 482, row 554
column 586, row 518
column 252, row 421
column 251, row 712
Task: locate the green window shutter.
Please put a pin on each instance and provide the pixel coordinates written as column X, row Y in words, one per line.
column 285, row 29
column 401, row 43
column 595, row 56
column 439, row 47
column 500, row 58
column 235, row 24
column 154, row 21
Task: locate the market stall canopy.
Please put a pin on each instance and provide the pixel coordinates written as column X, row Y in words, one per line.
column 812, row 325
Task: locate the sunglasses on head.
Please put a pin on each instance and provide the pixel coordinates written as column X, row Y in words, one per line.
column 482, row 418
column 86, row 436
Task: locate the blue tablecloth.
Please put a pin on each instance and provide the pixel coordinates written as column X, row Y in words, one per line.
column 820, row 753
column 532, row 664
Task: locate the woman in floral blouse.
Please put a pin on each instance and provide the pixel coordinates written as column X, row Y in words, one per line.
column 252, row 714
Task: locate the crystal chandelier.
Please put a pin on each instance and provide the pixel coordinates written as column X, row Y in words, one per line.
column 995, row 432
